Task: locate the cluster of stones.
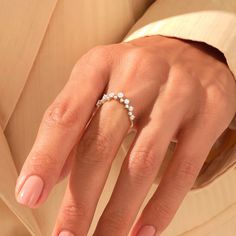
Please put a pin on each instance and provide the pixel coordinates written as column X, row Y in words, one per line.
column 119, row 97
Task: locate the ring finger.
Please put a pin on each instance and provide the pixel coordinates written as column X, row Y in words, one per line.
column 143, row 160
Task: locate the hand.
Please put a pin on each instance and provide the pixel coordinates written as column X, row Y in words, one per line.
column 180, row 91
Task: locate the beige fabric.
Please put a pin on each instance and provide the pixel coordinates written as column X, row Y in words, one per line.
column 40, row 42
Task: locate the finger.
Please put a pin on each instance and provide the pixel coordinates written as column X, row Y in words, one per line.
column 61, row 127
column 142, row 162
column 92, row 169
column 189, row 156
column 68, row 164
column 96, row 151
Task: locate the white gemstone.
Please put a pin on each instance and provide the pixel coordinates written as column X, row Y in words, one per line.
column 121, row 100
column 111, row 95
column 127, row 106
column 120, row 95
column 132, row 117
column 126, row 101
column 130, row 113
column 105, row 97
column 131, row 108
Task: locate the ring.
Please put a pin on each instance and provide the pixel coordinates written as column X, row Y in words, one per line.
column 122, row 99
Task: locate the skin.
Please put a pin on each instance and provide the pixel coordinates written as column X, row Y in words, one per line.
column 180, row 90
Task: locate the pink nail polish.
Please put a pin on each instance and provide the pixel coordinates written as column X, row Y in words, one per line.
column 30, row 191
column 147, row 230
column 66, row 233
column 19, row 182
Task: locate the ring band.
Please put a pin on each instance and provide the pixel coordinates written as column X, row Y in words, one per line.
column 120, row 98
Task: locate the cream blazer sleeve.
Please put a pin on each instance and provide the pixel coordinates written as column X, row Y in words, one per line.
column 209, row 21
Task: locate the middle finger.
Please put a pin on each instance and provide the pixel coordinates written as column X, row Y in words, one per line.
column 144, row 159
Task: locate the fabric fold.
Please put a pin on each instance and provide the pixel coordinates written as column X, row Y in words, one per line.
column 23, row 25
column 8, row 176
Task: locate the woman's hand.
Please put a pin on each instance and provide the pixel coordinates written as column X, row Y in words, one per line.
column 180, row 90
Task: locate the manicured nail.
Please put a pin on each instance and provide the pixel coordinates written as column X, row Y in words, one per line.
column 31, row 190
column 147, row 230
column 66, row 233
column 19, row 182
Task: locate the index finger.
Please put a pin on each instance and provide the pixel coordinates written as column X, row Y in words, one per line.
column 61, row 127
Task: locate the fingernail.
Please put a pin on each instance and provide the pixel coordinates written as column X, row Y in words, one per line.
column 19, row 182
column 31, row 190
column 147, row 230
column 66, row 233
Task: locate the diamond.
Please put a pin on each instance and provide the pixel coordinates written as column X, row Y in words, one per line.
column 121, row 98
column 132, row 117
column 104, row 96
column 120, row 95
column 126, row 101
column 111, row 95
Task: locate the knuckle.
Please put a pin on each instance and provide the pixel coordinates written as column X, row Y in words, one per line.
column 75, row 211
column 99, row 143
column 98, row 49
column 182, row 82
column 186, row 173
column 218, row 93
column 218, row 106
column 136, row 55
column 42, row 162
column 142, row 164
column 99, row 53
column 140, row 61
column 95, row 61
column 163, row 212
column 60, row 114
column 113, row 222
